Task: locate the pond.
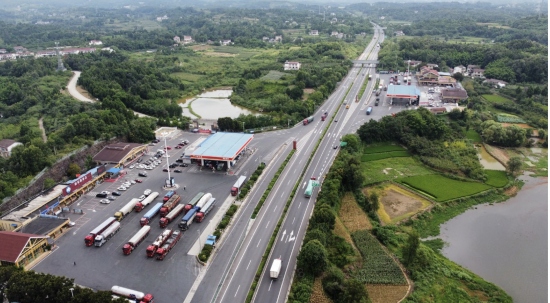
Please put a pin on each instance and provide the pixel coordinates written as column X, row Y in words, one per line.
column 506, row 243
column 488, row 161
column 213, row 105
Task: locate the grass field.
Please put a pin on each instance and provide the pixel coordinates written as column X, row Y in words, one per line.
column 474, row 136
column 187, row 76
column 490, row 24
column 441, row 188
column 380, row 156
column 386, row 293
column 392, row 168
column 496, row 99
column 382, row 148
column 465, row 39
column 318, row 294
column 273, row 75
column 507, row 118
column 352, row 216
column 496, row 178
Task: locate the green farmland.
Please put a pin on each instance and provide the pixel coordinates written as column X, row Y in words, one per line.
column 441, row 188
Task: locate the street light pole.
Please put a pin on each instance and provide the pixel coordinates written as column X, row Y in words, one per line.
column 243, row 126
column 167, row 163
column 71, row 289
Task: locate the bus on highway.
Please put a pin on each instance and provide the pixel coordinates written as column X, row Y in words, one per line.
column 310, row 186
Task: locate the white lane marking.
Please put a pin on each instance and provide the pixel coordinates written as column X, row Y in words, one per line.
column 248, row 264
column 259, row 242
column 267, row 224
column 237, row 290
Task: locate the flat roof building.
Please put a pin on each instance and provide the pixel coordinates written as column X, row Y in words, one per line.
column 222, row 147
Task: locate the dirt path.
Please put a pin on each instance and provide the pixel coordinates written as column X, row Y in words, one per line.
column 41, row 126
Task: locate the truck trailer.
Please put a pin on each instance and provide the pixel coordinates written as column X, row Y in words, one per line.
column 168, row 195
column 275, row 269
column 237, row 186
column 308, row 120
column 170, row 243
column 187, row 219
column 205, row 210
column 159, row 241
column 202, row 202
column 136, row 240
column 89, row 239
column 141, row 205
column 150, row 214
column 132, row 294
column 171, row 216
column 169, row 205
column 107, row 234
column 126, row 209
column 193, row 202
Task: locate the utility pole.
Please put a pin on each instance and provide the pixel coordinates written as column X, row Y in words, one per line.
column 243, row 126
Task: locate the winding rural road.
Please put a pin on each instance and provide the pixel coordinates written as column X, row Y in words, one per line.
column 80, row 97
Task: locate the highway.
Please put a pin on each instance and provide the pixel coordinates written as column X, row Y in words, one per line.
column 230, row 273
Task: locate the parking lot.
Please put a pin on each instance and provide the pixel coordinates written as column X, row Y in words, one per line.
column 102, row 267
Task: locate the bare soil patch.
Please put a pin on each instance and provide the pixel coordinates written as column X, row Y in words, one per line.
column 318, row 294
column 511, row 191
column 386, row 293
column 200, row 47
column 340, row 230
column 500, row 154
column 352, row 216
column 84, row 92
column 309, row 91
column 398, row 204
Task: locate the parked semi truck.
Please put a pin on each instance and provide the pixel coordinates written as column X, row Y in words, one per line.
column 169, row 205
column 308, row 120
column 132, row 294
column 142, row 204
column 136, row 240
column 205, row 210
column 237, row 186
column 150, row 214
column 202, row 202
column 107, row 234
column 193, row 202
column 126, row 209
column 275, row 269
column 89, row 239
column 168, row 245
column 159, row 241
column 187, row 219
column 171, row 215
column 168, row 195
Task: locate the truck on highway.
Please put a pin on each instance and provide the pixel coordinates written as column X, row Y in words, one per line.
column 308, row 120
column 159, row 241
column 169, row 205
column 132, row 294
column 168, row 195
column 370, row 76
column 311, row 184
column 89, row 239
column 324, row 116
column 187, row 219
column 205, row 210
column 210, row 240
column 126, row 209
column 150, row 214
column 136, row 240
column 142, row 204
column 275, row 269
column 168, row 245
column 193, row 202
column 171, row 216
column 237, row 186
column 381, row 84
column 107, row 234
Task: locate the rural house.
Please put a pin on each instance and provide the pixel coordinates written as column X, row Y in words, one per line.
column 292, row 65
column 6, row 146
column 453, row 95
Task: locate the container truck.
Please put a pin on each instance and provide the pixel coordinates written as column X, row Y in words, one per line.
column 107, row 234
column 170, row 243
column 202, row 202
column 187, row 219
column 126, row 209
column 136, row 240
column 308, row 120
column 237, row 186
column 171, row 216
column 152, row 249
column 132, row 294
column 89, row 239
column 169, row 205
column 150, row 214
column 168, row 196
column 141, row 205
column 205, row 210
column 193, row 202
column 275, row 269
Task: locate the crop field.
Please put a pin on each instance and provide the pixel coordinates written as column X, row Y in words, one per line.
column 341, row 231
column 187, row 76
column 507, row 118
column 496, row 178
column 496, row 99
column 398, row 204
column 352, row 216
column 382, row 148
column 392, row 168
column 465, row 39
column 491, row 24
column 386, row 293
column 273, row 75
column 378, row 267
column 318, row 294
column 380, row 156
column 441, row 188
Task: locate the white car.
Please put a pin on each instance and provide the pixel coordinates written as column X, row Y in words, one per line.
column 105, row 192
column 132, row 166
column 141, row 197
column 121, row 188
column 104, row 201
column 147, row 192
column 132, row 182
column 126, row 184
column 149, row 167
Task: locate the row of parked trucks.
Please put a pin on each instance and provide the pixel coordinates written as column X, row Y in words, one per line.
column 136, row 296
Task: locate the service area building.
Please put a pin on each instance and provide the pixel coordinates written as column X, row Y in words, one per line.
column 407, row 92
column 221, row 148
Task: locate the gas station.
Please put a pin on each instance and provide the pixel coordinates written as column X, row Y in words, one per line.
column 221, row 150
column 408, row 92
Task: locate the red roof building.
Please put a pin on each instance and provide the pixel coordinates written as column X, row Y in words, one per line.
column 20, row 249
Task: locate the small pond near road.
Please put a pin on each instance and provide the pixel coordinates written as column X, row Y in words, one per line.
column 213, row 105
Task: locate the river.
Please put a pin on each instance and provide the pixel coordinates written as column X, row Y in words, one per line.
column 506, row 243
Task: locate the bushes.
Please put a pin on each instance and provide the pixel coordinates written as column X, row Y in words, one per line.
column 207, row 249
column 250, row 182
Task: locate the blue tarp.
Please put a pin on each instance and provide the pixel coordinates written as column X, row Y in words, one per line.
column 113, row 170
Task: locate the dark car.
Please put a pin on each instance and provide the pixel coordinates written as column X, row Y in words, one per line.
column 335, row 146
column 156, row 141
column 335, row 120
column 173, row 165
column 179, row 160
column 177, row 170
column 179, row 147
column 142, row 174
column 184, row 165
column 165, row 170
column 116, row 193
column 101, row 195
column 138, row 181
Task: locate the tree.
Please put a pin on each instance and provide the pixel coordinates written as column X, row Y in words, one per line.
column 353, row 142
column 141, row 130
column 48, row 183
column 73, row 170
column 313, row 257
column 410, row 248
column 458, row 76
column 514, row 165
column 354, row 292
